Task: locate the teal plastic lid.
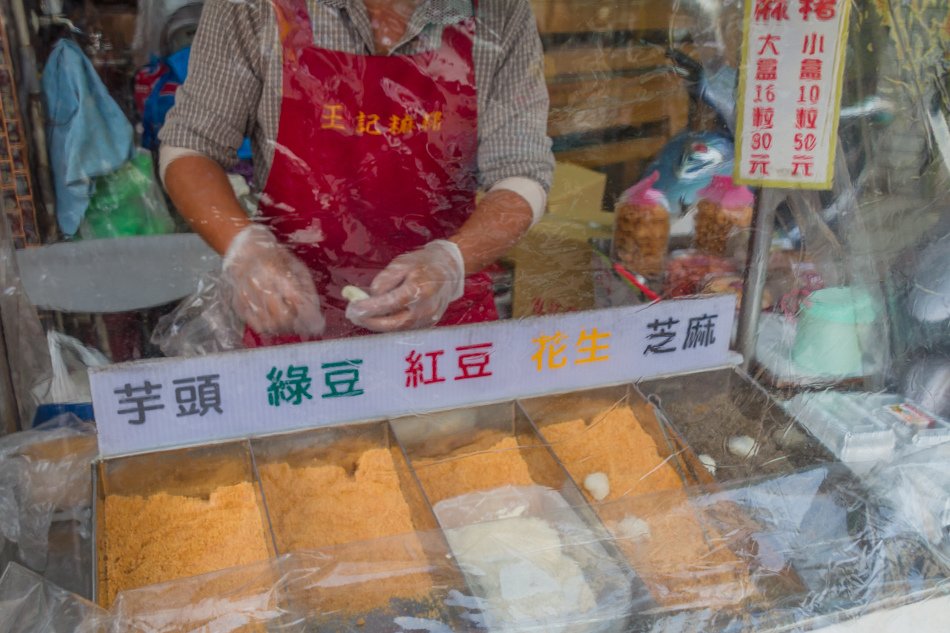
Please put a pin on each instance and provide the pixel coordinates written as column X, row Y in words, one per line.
column 840, row 305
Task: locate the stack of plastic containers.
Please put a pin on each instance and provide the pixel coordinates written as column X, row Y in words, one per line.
column 844, row 426
column 867, row 427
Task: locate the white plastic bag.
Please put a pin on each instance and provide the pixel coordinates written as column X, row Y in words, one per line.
column 70, row 360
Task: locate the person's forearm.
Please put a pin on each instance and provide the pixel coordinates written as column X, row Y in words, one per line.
column 501, row 219
column 200, row 189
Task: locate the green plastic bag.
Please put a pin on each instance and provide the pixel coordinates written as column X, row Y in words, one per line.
column 127, row 202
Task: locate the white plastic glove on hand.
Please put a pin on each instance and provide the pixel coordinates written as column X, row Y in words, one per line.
column 272, row 290
column 413, row 291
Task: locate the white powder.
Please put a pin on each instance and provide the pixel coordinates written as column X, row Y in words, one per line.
column 519, row 567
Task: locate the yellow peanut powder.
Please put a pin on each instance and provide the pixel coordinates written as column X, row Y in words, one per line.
column 614, row 443
column 492, row 460
column 320, row 505
column 354, row 498
column 163, row 537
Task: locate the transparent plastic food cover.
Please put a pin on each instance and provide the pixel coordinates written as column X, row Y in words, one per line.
column 29, row 603
column 489, row 182
column 45, row 500
column 518, row 133
column 805, row 549
column 807, row 545
column 340, row 588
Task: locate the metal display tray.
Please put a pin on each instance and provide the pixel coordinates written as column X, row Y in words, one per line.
column 710, row 408
column 842, row 529
column 188, row 472
column 199, row 470
column 196, row 471
column 663, row 405
column 458, row 435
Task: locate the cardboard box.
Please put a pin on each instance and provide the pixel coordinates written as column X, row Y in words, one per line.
column 552, row 263
column 577, row 193
column 118, row 26
column 552, row 268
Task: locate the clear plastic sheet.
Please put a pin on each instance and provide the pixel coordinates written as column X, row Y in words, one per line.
column 203, row 323
column 30, row 604
column 338, row 588
column 27, row 356
column 803, row 541
column 619, row 93
column 917, row 486
column 793, row 552
column 46, row 499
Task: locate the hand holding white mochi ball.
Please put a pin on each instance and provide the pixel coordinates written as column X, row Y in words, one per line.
column 354, row 293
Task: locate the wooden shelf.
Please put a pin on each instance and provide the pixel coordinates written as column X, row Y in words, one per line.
column 602, row 154
column 616, row 98
column 576, row 16
column 582, row 106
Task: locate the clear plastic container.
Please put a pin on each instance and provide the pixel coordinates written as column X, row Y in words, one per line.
column 723, row 217
column 518, row 526
column 642, row 228
column 849, row 430
column 915, row 427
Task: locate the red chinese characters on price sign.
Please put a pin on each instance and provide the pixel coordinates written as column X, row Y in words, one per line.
column 790, row 92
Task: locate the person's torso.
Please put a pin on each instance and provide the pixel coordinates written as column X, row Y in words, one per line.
column 377, row 155
column 337, row 28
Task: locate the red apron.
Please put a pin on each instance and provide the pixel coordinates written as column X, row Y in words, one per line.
column 375, row 156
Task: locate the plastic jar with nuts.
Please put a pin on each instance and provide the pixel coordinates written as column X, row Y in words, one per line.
column 642, row 228
column 724, row 214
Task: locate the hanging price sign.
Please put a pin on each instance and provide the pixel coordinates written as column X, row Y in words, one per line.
column 790, row 92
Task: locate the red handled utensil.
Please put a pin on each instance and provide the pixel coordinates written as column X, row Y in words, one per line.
column 629, row 276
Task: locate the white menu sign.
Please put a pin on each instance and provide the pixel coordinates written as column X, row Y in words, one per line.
column 790, row 92
column 172, row 402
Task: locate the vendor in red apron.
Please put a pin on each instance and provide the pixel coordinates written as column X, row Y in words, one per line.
column 373, row 124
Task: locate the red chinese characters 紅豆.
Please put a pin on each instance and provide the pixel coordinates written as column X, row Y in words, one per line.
column 424, row 367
